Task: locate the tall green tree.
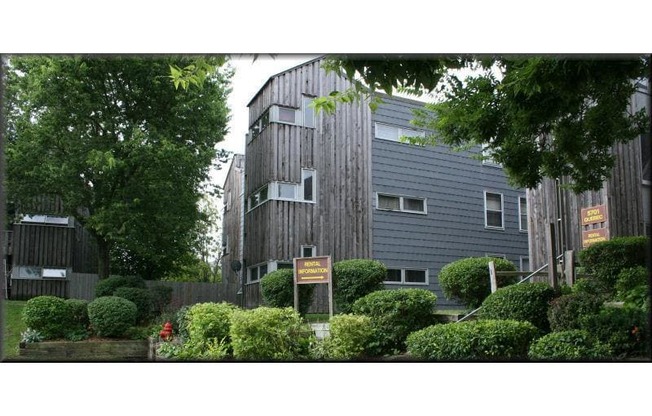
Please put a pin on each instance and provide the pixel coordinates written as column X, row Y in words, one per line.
column 128, row 153
column 538, row 116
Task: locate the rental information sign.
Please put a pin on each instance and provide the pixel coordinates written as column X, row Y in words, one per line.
column 313, row 270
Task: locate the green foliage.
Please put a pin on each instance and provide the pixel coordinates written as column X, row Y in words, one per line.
column 49, row 315
column 395, row 314
column 566, row 311
column 568, row 345
column 112, row 316
column 625, row 329
column 142, row 298
column 521, row 302
column 605, row 260
column 209, row 322
column 633, row 286
column 468, row 279
column 483, row 340
column 349, row 337
column 128, row 154
column 181, row 321
column 264, row 333
column 30, row 335
column 588, row 286
column 353, row 279
column 106, row 287
column 78, row 328
column 161, row 296
column 277, row 290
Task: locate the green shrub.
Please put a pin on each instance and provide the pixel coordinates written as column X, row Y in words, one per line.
column 208, row 323
column 277, row 290
column 270, row 334
column 162, row 297
column 588, row 286
column 181, row 321
column 49, row 315
column 521, row 302
column 606, row 259
column 106, row 287
column 568, row 345
column 624, row 329
column 79, row 311
column 141, row 297
column 468, row 279
column 632, row 286
column 566, row 311
column 112, row 316
column 482, row 340
column 349, row 337
column 395, row 314
column 353, row 279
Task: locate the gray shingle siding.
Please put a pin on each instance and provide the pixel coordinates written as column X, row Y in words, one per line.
column 453, row 184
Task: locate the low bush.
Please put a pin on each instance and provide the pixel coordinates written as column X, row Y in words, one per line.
column 353, row 279
column 209, row 323
column 141, row 297
column 270, row 334
column 633, row 286
column 521, row 302
column 181, row 320
column 571, row 345
column 51, row 316
column 589, row 286
column 112, row 316
column 624, row 329
column 395, row 314
column 349, row 337
column 78, row 328
column 606, row 259
column 566, row 311
column 161, row 296
column 106, row 287
column 277, row 290
column 468, row 279
column 482, row 340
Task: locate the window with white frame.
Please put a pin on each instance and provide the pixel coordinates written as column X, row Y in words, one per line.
column 308, row 184
column 525, row 264
column 308, row 251
column 258, row 197
column 407, row 276
column 44, row 219
column 307, row 111
column 522, row 213
column 257, row 272
column 394, row 133
column 488, row 157
column 35, row 272
column 299, row 192
column 493, row 209
column 401, row 203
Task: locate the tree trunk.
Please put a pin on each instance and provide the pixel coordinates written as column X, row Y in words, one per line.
column 103, row 258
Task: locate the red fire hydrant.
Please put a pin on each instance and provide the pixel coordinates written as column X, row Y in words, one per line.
column 166, row 332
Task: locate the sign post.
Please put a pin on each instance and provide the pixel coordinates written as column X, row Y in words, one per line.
column 313, row 270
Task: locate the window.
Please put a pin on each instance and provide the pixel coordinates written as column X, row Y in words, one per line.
column 394, row 133
column 493, row 210
column 29, row 272
column 54, row 273
column 401, row 203
column 25, row 272
column 298, row 192
column 257, row 272
column 525, row 264
column 308, row 251
column 308, row 184
column 287, row 191
column 487, row 157
column 407, row 276
column 44, row 219
column 308, row 112
column 287, row 115
column 225, row 244
column 522, row 213
column 304, row 116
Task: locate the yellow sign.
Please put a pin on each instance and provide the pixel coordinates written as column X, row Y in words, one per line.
column 312, row 270
column 594, row 236
column 594, row 215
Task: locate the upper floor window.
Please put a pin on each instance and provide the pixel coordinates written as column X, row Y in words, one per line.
column 401, row 203
column 522, row 213
column 44, row 219
column 308, row 184
column 394, row 133
column 493, row 209
column 308, row 251
column 488, row 158
column 286, row 191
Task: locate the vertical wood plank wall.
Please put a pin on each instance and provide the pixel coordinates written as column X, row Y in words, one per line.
column 231, row 223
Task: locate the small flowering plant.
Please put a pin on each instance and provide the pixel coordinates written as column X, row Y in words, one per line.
column 166, row 332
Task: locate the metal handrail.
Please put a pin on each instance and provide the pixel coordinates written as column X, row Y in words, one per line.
column 528, row 277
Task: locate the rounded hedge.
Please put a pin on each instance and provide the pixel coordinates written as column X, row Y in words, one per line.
column 606, row 259
column 480, row 340
column 49, row 315
column 349, row 337
column 143, row 299
column 209, row 321
column 112, row 316
column 270, row 334
column 468, row 279
column 79, row 311
column 521, row 302
column 394, row 314
column 353, row 279
column 568, row 345
column 277, row 290
column 106, row 287
column 566, row 311
column 632, row 286
column 625, row 329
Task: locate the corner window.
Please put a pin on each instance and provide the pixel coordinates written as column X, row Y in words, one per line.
column 522, row 213
column 407, row 276
column 493, row 203
column 287, row 191
column 395, row 133
column 287, row 115
column 401, row 203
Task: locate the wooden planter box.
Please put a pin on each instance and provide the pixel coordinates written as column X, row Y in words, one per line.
column 89, row 350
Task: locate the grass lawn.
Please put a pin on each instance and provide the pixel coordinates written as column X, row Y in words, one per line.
column 13, row 326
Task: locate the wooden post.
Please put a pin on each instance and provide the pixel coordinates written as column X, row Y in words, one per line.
column 296, row 286
column 492, row 276
column 569, row 267
column 330, row 298
column 552, row 257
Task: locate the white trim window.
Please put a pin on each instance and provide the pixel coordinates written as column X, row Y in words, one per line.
column 255, row 273
column 407, row 276
column 522, row 213
column 45, row 219
column 259, row 197
column 308, row 185
column 488, row 157
column 306, row 191
column 413, row 205
column 304, row 116
column 494, row 211
column 308, row 251
column 524, row 263
column 395, row 133
column 35, row 272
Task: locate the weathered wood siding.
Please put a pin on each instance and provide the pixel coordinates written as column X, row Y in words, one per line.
column 232, row 222
column 453, row 184
column 43, row 245
column 82, row 285
column 24, row 289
